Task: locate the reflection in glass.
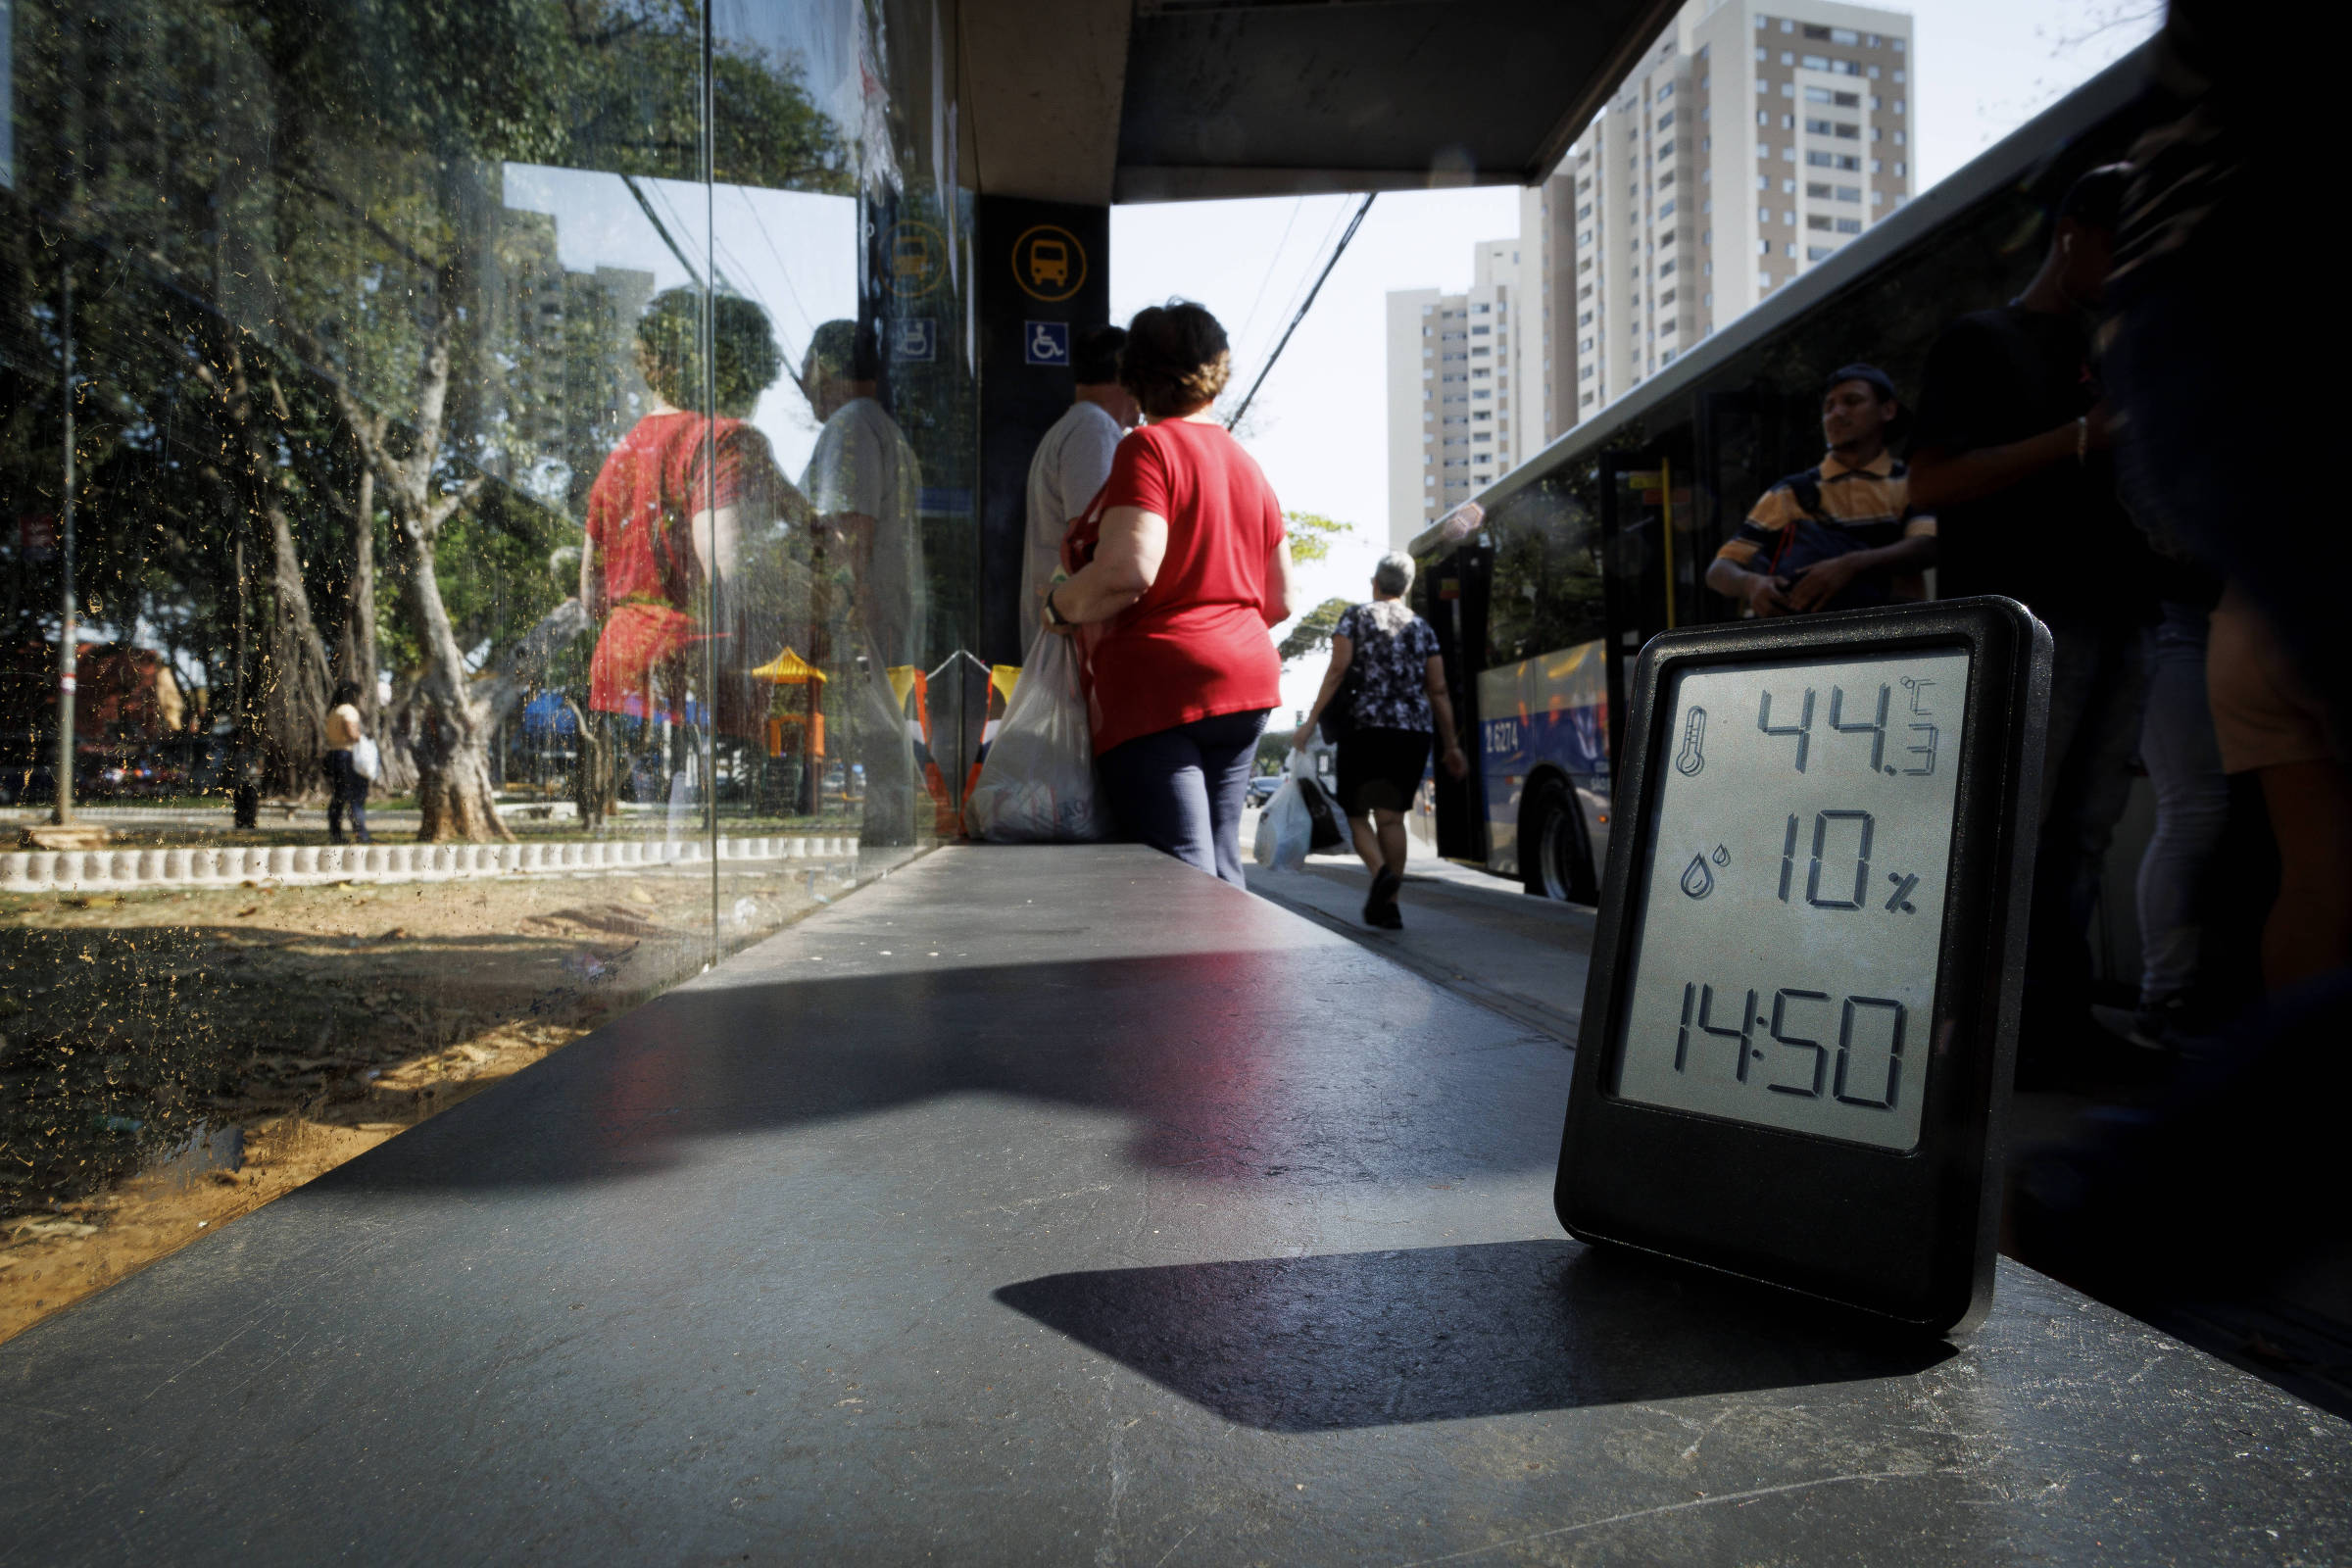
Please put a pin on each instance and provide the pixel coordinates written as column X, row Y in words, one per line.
column 487, row 388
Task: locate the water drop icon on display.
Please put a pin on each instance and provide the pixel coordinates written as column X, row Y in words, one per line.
column 1698, row 880
column 1722, row 856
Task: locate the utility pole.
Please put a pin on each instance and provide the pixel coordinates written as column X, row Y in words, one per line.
column 68, row 629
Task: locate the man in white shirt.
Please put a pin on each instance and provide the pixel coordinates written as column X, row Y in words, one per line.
column 863, row 485
column 1072, row 462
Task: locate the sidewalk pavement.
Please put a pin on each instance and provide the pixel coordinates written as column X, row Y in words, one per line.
column 1476, row 934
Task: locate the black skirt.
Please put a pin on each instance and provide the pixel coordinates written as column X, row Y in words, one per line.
column 1381, row 770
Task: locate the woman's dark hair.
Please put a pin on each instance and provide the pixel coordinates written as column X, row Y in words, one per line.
column 346, row 691
column 1176, row 359
column 745, row 361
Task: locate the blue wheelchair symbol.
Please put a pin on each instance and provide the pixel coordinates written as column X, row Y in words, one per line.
column 1046, row 342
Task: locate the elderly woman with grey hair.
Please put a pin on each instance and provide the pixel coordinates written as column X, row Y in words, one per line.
column 1397, row 701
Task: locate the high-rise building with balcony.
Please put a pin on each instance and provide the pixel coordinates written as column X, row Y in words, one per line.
column 1455, row 365
column 1751, row 141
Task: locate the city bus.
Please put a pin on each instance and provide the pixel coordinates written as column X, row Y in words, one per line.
column 1603, row 539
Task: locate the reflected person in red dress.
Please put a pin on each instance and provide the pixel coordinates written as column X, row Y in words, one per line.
column 667, row 519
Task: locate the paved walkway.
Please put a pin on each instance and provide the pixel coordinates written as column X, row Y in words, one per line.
column 1477, row 935
column 1046, row 1206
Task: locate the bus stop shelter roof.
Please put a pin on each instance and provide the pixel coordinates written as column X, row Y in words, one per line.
column 1099, row 101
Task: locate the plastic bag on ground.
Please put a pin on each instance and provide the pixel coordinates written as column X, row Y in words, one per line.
column 1286, row 828
column 1038, row 784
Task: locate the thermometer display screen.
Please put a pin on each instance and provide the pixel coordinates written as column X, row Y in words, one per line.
column 1792, row 893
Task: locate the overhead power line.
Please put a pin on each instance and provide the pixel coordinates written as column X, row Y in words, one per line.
column 1305, row 305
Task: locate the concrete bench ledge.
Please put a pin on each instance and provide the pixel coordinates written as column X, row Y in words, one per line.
column 289, row 864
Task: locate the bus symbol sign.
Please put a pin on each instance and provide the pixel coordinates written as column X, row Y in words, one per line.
column 1048, row 263
column 916, row 258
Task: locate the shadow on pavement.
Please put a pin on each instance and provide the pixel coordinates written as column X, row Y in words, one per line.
column 1443, row 1332
column 1307, row 1064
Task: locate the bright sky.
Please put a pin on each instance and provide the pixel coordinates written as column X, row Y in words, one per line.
column 1319, row 426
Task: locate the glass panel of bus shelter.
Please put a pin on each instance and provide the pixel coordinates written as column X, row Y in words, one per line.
column 367, row 409
column 842, row 669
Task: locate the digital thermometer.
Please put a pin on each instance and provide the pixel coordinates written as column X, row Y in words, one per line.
column 1801, row 1023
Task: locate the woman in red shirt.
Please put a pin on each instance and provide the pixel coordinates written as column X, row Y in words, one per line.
column 1181, row 566
column 667, row 514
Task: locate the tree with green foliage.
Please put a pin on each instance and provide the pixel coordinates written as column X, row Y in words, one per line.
column 288, row 238
column 1312, row 631
column 1312, row 534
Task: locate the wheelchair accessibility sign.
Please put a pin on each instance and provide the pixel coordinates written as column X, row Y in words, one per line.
column 913, row 341
column 1046, row 342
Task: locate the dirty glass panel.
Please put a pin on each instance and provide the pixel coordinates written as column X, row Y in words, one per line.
column 845, row 625
column 468, row 560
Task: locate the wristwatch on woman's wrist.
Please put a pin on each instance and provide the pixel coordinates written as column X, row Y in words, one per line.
column 1053, row 616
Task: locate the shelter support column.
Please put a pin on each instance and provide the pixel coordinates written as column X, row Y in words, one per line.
column 1043, row 276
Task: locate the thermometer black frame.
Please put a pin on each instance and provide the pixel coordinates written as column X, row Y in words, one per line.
column 1907, row 1235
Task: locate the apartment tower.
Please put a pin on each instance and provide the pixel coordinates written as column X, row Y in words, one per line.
column 1754, row 142
column 1751, row 142
column 1455, row 364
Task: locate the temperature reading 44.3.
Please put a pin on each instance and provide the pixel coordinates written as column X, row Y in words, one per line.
column 1868, row 715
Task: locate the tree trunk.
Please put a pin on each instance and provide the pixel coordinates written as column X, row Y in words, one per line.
column 594, row 790
column 295, row 685
column 355, row 657
column 454, row 792
column 395, row 729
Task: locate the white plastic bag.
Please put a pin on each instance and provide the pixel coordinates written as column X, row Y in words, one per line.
column 366, row 759
column 1286, row 828
column 1038, row 784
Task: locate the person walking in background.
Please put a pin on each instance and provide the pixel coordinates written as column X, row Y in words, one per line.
column 1397, row 703
column 1177, row 572
column 863, row 483
column 2013, row 456
column 1072, row 462
column 1842, row 535
column 347, row 786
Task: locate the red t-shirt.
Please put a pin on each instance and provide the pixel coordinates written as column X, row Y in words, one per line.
column 638, row 510
column 1196, row 644
column 650, row 485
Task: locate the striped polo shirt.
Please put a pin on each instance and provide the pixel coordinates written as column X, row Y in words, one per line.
column 1872, row 503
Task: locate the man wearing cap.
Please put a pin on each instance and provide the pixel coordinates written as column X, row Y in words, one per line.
column 1841, row 534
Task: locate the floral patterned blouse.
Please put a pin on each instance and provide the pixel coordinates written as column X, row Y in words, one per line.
column 1393, row 648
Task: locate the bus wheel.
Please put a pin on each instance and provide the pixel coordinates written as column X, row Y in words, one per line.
column 1553, row 862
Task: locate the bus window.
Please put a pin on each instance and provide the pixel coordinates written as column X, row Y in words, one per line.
column 1547, row 590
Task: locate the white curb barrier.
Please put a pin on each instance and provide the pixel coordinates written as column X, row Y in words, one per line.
column 296, row 864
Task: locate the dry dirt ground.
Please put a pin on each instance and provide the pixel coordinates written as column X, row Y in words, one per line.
column 172, row 1060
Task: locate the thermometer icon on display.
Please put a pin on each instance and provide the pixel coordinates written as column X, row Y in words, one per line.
column 1687, row 762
